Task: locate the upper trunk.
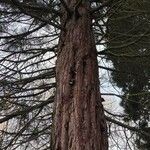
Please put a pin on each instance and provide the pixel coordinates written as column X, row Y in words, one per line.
column 79, row 118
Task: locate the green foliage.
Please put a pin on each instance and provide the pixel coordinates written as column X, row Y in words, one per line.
column 128, row 35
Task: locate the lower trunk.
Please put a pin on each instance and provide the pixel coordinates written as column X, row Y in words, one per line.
column 79, row 118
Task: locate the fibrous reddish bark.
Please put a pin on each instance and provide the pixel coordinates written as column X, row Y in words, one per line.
column 79, row 122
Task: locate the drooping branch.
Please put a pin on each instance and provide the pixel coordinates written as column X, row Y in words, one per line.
column 27, row 110
column 127, row 126
column 104, row 4
column 36, row 16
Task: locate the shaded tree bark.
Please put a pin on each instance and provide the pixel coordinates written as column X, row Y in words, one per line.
column 79, row 122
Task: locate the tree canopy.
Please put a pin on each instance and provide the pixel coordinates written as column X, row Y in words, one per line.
column 29, row 36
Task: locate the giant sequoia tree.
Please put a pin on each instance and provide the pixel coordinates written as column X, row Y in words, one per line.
column 79, row 121
column 49, row 80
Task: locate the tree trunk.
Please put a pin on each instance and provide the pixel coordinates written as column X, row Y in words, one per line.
column 79, row 122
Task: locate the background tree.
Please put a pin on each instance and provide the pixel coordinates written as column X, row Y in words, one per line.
column 128, row 33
